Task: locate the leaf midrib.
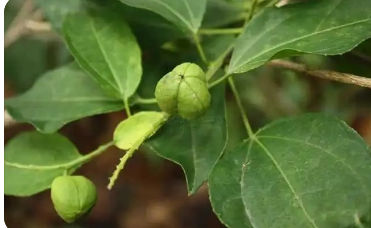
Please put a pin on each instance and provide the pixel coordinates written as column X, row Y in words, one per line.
column 190, row 13
column 81, row 60
column 37, row 167
column 88, row 99
column 66, row 119
column 354, row 173
column 324, row 18
column 111, row 68
column 282, row 173
column 176, row 14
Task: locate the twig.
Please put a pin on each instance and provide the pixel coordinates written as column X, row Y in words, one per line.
column 38, row 26
column 23, row 13
column 19, row 27
column 220, row 31
column 8, row 120
column 325, row 74
column 200, row 49
column 217, row 64
column 16, row 29
column 251, row 12
column 241, row 108
column 282, row 3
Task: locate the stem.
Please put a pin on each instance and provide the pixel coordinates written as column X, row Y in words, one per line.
column 240, row 107
column 8, row 120
column 19, row 28
column 130, row 152
column 127, row 107
column 200, row 49
column 220, row 31
column 98, row 151
column 219, row 80
column 38, row 26
column 79, row 161
column 251, row 11
column 215, row 66
column 325, row 74
column 358, row 221
column 122, row 163
column 140, row 100
column 16, row 27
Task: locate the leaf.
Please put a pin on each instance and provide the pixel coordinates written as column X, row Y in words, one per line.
column 144, row 22
column 104, row 46
column 319, row 27
column 225, row 190
column 358, row 65
column 56, row 10
column 196, row 145
column 136, row 128
column 305, row 171
column 32, row 161
column 61, row 96
column 221, row 13
column 186, row 14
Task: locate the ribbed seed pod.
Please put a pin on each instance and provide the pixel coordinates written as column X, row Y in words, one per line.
column 73, row 196
column 184, row 92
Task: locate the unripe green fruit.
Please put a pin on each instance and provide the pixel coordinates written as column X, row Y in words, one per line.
column 73, row 196
column 184, row 91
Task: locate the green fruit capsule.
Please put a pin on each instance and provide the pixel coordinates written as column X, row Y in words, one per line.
column 184, row 92
column 73, row 196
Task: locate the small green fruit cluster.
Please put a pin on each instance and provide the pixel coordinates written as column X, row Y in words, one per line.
column 73, row 196
column 184, row 92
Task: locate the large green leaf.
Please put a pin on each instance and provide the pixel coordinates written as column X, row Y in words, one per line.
column 61, row 96
column 305, row 171
column 186, row 14
column 103, row 45
column 196, row 145
column 32, row 161
column 328, row 27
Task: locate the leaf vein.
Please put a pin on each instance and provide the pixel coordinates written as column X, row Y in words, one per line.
column 175, row 13
column 190, row 13
column 36, row 167
column 287, row 182
column 354, row 173
column 325, row 17
column 112, row 70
